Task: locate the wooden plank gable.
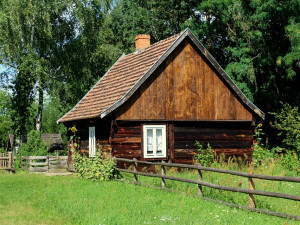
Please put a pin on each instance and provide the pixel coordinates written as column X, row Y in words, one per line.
column 184, row 87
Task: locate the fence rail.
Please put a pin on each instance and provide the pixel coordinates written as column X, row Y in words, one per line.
column 6, row 161
column 44, row 163
column 258, row 176
column 251, row 191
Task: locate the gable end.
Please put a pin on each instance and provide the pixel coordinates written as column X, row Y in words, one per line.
column 253, row 108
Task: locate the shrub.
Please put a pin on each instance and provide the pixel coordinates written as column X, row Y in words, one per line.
column 96, row 168
column 287, row 121
column 35, row 145
column 205, row 156
column 260, row 153
column 290, row 161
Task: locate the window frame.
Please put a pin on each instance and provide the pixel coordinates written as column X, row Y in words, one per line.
column 92, row 142
column 164, row 141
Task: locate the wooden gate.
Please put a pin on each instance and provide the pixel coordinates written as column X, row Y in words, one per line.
column 6, row 161
column 51, row 164
column 58, row 164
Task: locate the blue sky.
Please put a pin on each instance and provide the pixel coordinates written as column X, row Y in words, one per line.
column 2, row 68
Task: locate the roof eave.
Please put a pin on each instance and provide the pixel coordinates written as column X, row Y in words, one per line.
column 60, row 120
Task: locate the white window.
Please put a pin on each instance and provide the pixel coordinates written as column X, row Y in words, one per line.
column 92, row 142
column 154, row 141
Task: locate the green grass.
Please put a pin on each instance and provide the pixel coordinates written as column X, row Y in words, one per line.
column 262, row 202
column 38, row 199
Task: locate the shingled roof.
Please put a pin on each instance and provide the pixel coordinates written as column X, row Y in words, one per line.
column 128, row 74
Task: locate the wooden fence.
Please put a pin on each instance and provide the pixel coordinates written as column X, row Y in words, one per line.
column 6, row 161
column 251, row 191
column 44, row 163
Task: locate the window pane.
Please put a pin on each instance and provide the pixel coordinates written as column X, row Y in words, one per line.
column 159, row 141
column 149, row 141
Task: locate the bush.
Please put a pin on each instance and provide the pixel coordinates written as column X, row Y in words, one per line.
column 35, row 146
column 96, row 168
column 290, row 161
column 205, row 156
column 287, row 121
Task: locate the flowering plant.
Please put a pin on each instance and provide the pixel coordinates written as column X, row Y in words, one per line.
column 259, row 152
column 74, row 139
column 95, row 168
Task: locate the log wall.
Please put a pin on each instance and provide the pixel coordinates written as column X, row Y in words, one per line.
column 231, row 139
column 102, row 129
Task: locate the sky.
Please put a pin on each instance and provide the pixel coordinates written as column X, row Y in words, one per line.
column 2, row 68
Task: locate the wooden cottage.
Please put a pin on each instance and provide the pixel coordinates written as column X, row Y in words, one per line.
column 154, row 104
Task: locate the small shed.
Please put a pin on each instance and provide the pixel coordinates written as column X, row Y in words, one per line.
column 54, row 141
column 156, row 102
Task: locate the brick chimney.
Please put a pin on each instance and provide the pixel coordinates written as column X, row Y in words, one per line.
column 142, row 41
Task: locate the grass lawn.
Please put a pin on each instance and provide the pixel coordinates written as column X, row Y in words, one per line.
column 38, row 199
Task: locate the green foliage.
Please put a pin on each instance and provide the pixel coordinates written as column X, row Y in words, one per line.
column 291, row 61
column 259, row 152
column 35, row 146
column 160, row 19
column 5, row 118
column 86, row 55
column 205, row 156
column 240, row 36
column 287, row 121
column 96, row 168
column 2, row 150
column 51, row 114
column 26, row 40
column 290, row 161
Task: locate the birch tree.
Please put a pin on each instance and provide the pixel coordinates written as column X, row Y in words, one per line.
column 30, row 31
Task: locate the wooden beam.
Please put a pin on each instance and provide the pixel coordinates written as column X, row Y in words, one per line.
column 171, row 142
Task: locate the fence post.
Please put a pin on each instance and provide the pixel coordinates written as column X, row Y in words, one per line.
column 30, row 164
column 163, row 172
column 200, row 179
column 251, row 187
column 1, row 161
column 9, row 160
column 47, row 161
column 135, row 170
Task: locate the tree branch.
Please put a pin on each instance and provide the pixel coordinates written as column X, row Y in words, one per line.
column 10, row 65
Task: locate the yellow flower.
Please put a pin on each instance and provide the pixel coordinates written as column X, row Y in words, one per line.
column 279, row 61
column 259, row 125
column 260, row 148
column 73, row 129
